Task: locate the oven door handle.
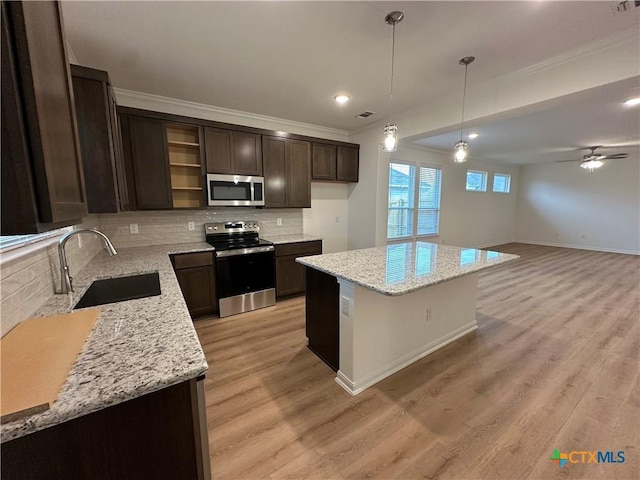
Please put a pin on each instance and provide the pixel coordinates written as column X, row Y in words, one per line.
column 244, row 251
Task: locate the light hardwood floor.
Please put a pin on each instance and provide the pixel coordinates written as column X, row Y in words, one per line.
column 554, row 364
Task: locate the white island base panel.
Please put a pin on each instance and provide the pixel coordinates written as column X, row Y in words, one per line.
column 381, row 334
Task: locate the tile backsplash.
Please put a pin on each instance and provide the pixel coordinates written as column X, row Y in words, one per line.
column 171, row 226
column 29, row 277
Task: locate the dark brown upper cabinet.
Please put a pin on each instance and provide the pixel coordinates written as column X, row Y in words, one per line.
column 287, row 172
column 331, row 163
column 323, row 163
column 42, row 178
column 348, row 164
column 232, row 152
column 144, row 142
column 100, row 141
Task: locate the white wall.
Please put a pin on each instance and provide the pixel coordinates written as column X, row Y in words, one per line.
column 591, row 66
column 328, row 216
column 363, row 196
column 562, row 204
column 467, row 219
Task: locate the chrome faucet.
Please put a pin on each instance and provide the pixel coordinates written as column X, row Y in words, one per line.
column 66, row 280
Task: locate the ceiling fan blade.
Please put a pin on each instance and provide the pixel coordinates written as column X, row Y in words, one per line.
column 574, row 160
column 616, row 156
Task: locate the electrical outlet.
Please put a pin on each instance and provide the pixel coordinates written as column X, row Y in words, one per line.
column 337, row 219
column 133, row 228
column 346, row 306
column 279, row 221
column 192, row 225
column 583, row 236
column 427, row 316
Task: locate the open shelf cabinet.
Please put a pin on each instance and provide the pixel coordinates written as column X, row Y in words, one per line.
column 185, row 164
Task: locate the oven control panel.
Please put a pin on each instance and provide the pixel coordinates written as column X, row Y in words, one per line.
column 231, row 227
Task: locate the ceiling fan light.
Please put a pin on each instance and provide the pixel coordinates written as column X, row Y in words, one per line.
column 390, row 138
column 460, row 152
column 591, row 165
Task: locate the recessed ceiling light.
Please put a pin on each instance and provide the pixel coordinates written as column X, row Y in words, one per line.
column 341, row 99
column 632, row 101
column 474, row 135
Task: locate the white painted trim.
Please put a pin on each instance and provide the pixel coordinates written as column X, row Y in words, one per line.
column 580, row 247
column 170, row 105
column 355, row 388
column 20, row 251
column 493, row 243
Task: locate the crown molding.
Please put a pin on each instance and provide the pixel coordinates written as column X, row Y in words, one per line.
column 148, row 101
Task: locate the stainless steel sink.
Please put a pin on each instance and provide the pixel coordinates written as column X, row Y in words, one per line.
column 112, row 290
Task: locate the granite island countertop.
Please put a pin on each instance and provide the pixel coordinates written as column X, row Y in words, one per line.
column 295, row 238
column 136, row 347
column 402, row 268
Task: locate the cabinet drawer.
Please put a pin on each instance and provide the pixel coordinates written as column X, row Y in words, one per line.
column 189, row 260
column 313, row 247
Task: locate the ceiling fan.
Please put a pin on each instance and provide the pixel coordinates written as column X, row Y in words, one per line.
column 592, row 161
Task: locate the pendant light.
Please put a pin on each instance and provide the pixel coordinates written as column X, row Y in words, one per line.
column 390, row 143
column 461, row 148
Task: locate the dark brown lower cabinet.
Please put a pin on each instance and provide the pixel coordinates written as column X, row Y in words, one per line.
column 159, row 435
column 290, row 275
column 197, row 278
column 323, row 317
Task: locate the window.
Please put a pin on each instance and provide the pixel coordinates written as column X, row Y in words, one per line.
column 414, row 201
column 9, row 242
column 501, row 183
column 476, row 181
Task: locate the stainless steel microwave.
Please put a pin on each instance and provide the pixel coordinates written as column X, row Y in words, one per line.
column 234, row 190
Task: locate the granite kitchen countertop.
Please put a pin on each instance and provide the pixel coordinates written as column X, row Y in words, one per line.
column 295, row 238
column 405, row 267
column 136, row 347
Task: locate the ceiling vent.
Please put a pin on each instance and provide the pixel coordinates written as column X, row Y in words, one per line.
column 365, row 114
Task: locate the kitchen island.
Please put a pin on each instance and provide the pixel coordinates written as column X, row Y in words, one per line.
column 133, row 403
column 372, row 312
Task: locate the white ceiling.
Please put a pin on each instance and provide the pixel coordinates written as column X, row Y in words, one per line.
column 288, row 59
column 559, row 131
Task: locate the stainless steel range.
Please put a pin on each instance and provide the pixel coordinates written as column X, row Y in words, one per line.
column 245, row 267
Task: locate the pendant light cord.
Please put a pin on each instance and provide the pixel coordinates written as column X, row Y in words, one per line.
column 393, row 54
column 464, row 95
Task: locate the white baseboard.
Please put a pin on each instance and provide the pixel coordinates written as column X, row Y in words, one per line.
column 493, row 243
column 580, row 247
column 354, row 388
